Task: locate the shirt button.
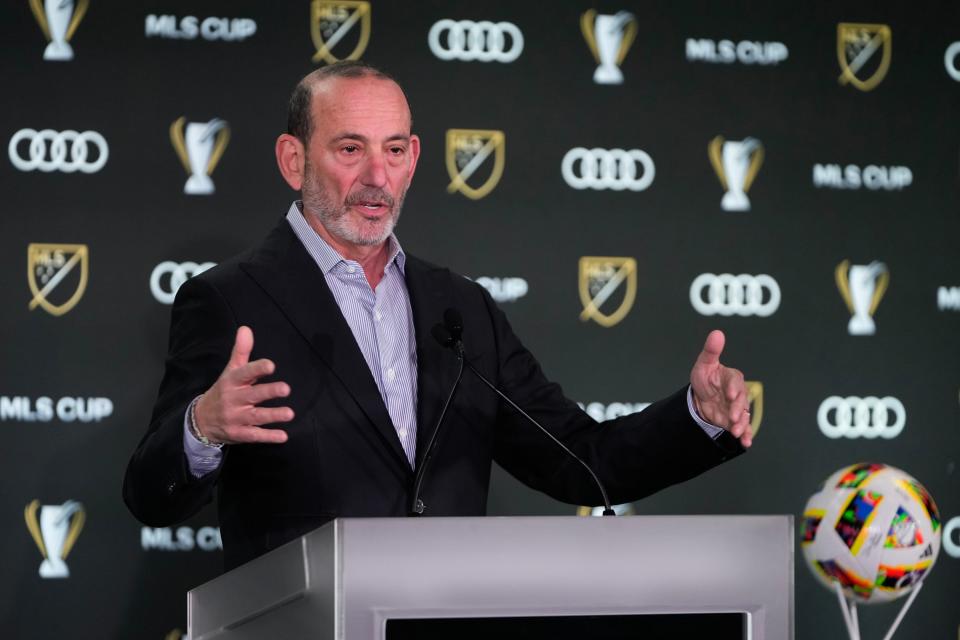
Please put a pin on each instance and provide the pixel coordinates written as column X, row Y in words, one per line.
column 378, row 316
column 351, row 269
column 391, row 374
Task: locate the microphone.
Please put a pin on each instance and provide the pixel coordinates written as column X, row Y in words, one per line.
column 442, row 335
column 449, row 335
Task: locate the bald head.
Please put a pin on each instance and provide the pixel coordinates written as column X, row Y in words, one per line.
column 300, row 123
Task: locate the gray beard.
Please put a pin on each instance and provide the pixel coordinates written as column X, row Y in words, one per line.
column 336, row 217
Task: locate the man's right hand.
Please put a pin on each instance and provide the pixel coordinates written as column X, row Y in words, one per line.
column 228, row 412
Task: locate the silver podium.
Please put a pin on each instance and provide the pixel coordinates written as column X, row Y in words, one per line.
column 345, row 580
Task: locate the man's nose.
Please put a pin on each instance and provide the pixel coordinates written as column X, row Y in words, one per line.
column 374, row 172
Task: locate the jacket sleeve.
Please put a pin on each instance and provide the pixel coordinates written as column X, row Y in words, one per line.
column 158, row 487
column 633, row 455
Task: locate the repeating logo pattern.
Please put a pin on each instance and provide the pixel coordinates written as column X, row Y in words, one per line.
column 199, row 145
column 600, row 278
column 191, row 27
column 869, row 417
column 726, row 294
column 483, row 41
column 467, row 150
column 862, row 287
column 857, row 46
column 330, row 23
column 736, row 164
column 55, row 529
column 48, row 267
column 609, row 38
column 67, row 151
column 168, row 276
column 58, row 21
column 615, row 169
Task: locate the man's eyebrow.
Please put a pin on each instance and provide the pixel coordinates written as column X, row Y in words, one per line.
column 347, row 135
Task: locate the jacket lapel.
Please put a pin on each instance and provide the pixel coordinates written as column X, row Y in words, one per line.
column 284, row 269
column 431, row 293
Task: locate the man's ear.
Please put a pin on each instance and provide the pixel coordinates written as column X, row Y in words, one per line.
column 291, row 158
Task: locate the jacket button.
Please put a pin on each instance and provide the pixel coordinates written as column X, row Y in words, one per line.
column 171, row 487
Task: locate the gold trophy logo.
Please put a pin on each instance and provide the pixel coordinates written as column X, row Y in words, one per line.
column 862, row 287
column 467, row 149
column 55, row 529
column 736, row 164
column 331, row 21
column 58, row 19
column 48, row 266
column 199, row 145
column 856, row 45
column 600, row 277
column 609, row 38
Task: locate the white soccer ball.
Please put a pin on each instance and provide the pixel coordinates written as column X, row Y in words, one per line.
column 873, row 529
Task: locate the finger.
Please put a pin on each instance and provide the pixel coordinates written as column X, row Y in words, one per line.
column 712, row 348
column 268, row 415
column 736, row 408
column 252, row 371
column 259, row 393
column 733, row 384
column 741, row 426
column 242, row 346
column 250, row 434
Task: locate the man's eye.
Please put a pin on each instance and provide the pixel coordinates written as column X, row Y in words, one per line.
column 351, row 148
column 396, row 150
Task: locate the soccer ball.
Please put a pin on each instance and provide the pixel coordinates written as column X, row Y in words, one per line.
column 873, row 529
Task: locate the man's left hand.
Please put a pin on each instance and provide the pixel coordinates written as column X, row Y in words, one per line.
column 719, row 392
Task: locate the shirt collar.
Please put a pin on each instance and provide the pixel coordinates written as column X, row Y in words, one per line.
column 326, row 256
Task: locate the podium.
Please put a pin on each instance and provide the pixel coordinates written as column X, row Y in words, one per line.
column 385, row 578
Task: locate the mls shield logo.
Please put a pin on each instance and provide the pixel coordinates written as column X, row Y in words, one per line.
column 755, row 404
column 600, row 278
column 467, row 151
column 857, row 46
column 331, row 21
column 53, row 270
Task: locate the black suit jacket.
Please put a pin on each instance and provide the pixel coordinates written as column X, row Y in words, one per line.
column 343, row 456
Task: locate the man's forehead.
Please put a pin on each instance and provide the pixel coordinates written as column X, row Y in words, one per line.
column 351, row 92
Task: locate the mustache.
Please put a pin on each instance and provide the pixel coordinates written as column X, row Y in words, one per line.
column 370, row 194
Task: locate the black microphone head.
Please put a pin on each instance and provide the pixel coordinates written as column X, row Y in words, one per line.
column 453, row 322
column 442, row 335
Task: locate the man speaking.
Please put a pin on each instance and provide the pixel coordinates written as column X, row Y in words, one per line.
column 303, row 383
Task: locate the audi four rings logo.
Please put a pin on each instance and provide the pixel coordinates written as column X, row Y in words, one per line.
column 616, row 169
column 168, row 277
column 468, row 40
column 726, row 294
column 854, row 417
column 66, row 151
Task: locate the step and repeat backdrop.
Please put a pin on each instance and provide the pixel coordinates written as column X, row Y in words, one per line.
column 622, row 177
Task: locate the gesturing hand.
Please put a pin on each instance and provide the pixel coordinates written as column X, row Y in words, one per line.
column 228, row 411
column 719, row 392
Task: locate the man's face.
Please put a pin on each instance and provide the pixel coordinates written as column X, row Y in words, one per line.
column 360, row 158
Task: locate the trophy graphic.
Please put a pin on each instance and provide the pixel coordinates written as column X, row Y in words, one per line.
column 862, row 287
column 200, row 145
column 609, row 38
column 58, row 20
column 736, row 164
column 55, row 532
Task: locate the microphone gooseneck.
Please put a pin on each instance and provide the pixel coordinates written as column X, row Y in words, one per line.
column 449, row 335
column 442, row 335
